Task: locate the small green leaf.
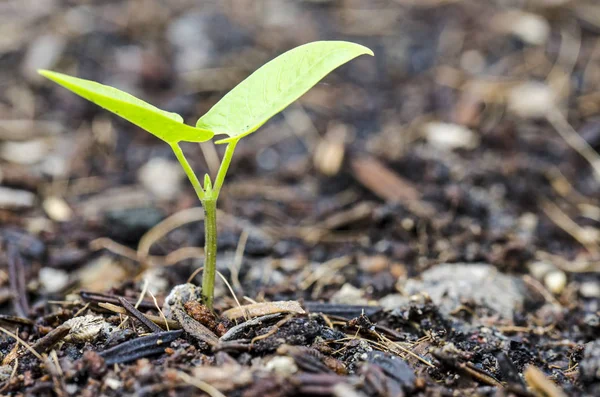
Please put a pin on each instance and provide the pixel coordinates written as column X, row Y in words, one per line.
column 165, row 125
column 275, row 85
column 207, row 183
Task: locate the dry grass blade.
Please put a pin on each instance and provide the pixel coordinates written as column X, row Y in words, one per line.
column 562, row 220
column 176, row 220
column 205, row 387
column 382, row 181
column 22, row 342
column 542, row 385
column 562, row 126
column 388, row 185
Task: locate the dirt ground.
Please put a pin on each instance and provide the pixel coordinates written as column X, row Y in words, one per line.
column 422, row 223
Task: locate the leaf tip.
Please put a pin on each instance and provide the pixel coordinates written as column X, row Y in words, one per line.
column 44, row 72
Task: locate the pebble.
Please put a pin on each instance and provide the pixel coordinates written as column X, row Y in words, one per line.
column 57, row 209
column 53, row 280
column 447, row 136
column 539, row 269
column 42, row 54
column 24, row 152
column 373, row 264
column 349, row 295
column 449, row 285
column 531, row 28
column 531, row 99
column 282, row 365
column 162, row 178
column 101, row 274
column 590, row 365
column 555, row 281
column 590, row 289
column 14, row 199
column 189, row 34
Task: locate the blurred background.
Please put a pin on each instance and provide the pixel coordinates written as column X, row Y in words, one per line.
column 472, row 136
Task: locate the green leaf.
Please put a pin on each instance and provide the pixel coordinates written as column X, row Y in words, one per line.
column 165, row 125
column 275, row 85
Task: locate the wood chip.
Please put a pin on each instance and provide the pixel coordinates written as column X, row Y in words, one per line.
column 388, row 185
column 264, row 308
column 538, row 381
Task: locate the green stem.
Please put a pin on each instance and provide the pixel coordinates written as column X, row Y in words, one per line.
column 224, row 167
column 210, row 251
column 188, row 170
column 209, row 203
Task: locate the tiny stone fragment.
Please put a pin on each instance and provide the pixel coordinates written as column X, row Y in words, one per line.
column 13, row 199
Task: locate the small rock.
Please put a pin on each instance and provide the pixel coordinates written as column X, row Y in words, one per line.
column 450, row 284
column 373, row 264
column 24, row 152
column 42, row 53
column 590, row 365
column 393, row 301
column 101, row 274
column 53, row 280
column 590, row 289
column 447, row 136
column 162, row 178
column 531, row 99
column 394, row 368
column 5, row 371
column 555, row 281
column 282, row 365
column 531, row 28
column 57, row 209
column 539, row 269
column 14, row 199
column 349, row 295
column 179, row 295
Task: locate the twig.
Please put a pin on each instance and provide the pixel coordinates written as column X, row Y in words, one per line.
column 237, row 261
column 22, row 342
column 562, row 220
column 139, row 316
column 205, row 387
column 162, row 315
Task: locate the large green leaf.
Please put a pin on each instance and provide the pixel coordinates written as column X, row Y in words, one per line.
column 275, row 85
column 165, row 125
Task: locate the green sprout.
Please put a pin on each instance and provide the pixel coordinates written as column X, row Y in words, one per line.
column 242, row 111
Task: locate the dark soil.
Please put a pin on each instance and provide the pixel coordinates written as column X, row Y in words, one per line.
column 432, row 213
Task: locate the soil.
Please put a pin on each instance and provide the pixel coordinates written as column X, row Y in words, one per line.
column 422, row 223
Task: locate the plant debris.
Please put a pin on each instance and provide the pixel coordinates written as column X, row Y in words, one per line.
column 422, row 223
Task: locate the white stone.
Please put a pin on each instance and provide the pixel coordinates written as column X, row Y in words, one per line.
column 24, row 152
column 450, row 136
column 590, row 289
column 57, row 209
column 349, row 295
column 162, row 178
column 555, row 281
column 282, row 365
column 531, row 99
column 539, row 269
column 531, row 28
column 42, row 54
column 14, row 199
column 53, row 280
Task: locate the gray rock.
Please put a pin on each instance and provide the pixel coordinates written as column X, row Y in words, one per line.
column 449, row 285
column 590, row 366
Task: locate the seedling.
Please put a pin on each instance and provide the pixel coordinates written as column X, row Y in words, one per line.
column 242, row 111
